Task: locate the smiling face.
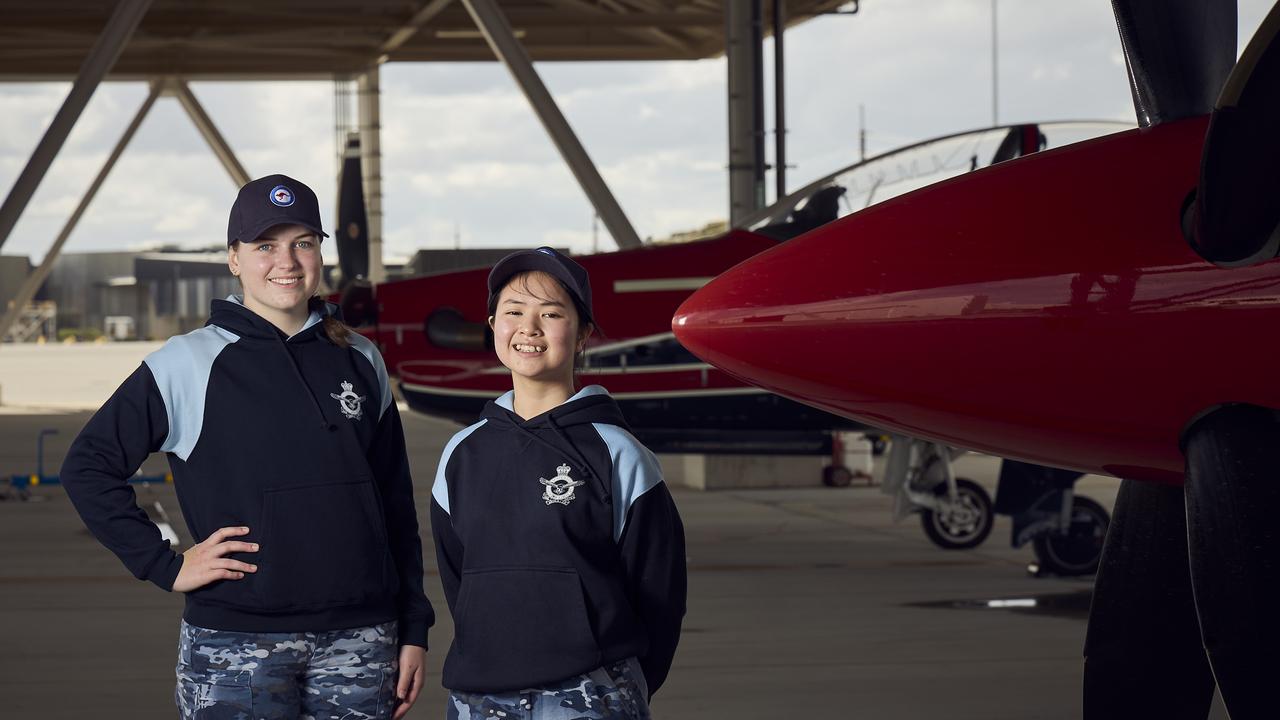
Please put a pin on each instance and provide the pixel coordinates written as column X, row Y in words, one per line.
column 280, row 271
column 536, row 329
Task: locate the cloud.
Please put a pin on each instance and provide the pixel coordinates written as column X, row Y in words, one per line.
column 461, row 148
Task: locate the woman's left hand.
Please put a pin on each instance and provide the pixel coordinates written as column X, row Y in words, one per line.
column 413, row 664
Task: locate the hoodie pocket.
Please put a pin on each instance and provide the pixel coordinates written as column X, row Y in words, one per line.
column 323, row 545
column 524, row 626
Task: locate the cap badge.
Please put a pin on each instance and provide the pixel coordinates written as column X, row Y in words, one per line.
column 281, row 195
column 559, row 489
column 349, row 401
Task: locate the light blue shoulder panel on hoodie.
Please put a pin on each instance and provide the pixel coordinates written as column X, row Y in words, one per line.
column 181, row 370
column 635, row 471
column 370, row 351
column 440, row 488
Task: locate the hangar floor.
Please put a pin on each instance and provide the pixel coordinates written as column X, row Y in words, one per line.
column 803, row 603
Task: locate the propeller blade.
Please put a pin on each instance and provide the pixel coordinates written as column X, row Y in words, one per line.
column 1179, row 52
column 352, row 233
column 1237, row 209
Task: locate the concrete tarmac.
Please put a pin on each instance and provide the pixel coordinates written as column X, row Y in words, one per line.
column 805, row 602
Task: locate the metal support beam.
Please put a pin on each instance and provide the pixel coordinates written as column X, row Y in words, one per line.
column 604, row 7
column 746, row 108
column 401, row 36
column 37, row 277
column 102, row 56
column 497, row 32
column 179, row 89
column 369, row 111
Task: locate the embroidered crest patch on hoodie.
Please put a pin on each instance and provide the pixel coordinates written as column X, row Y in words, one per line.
column 559, row 489
column 349, row 401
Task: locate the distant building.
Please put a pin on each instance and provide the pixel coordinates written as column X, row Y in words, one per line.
column 39, row 317
column 88, row 287
column 179, row 287
column 13, row 270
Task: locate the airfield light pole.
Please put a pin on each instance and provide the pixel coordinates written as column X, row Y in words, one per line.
column 101, row 57
column 995, row 65
column 862, row 133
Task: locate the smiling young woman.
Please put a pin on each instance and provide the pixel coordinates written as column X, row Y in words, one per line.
column 537, row 332
column 304, row 588
column 559, row 547
column 279, row 272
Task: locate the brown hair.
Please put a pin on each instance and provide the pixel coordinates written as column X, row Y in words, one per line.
column 339, row 332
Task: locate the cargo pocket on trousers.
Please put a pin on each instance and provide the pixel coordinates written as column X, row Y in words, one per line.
column 228, row 697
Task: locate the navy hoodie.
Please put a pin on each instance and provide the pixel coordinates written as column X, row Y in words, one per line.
column 559, row 547
column 296, row 438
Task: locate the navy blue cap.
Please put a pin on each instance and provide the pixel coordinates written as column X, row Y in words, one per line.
column 547, row 260
column 270, row 201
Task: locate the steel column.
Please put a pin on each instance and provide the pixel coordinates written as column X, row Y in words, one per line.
column 102, row 56
column 746, row 108
column 369, row 111
column 37, row 277
column 497, row 32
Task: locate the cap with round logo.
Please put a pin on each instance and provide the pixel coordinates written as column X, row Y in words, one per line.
column 547, row 260
column 269, row 201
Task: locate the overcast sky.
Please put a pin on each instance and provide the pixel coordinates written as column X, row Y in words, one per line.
column 464, row 154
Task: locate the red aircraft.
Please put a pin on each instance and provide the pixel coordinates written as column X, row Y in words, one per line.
column 433, row 332
column 1107, row 307
column 434, row 336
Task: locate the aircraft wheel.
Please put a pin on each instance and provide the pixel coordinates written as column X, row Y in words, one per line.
column 836, row 476
column 1079, row 550
column 963, row 525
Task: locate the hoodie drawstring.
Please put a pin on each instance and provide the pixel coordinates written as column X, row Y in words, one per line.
column 590, row 470
column 568, row 448
column 297, row 373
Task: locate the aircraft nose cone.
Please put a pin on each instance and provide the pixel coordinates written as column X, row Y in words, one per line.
column 772, row 320
column 1041, row 309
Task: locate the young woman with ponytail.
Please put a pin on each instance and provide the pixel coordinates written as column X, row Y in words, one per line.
column 304, row 586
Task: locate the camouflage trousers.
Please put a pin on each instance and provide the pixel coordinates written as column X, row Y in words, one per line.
column 311, row 675
column 613, row 692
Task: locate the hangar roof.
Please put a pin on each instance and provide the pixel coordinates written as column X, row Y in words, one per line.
column 262, row 39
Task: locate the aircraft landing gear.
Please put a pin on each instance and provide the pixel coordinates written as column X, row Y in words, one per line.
column 1075, row 546
column 956, row 513
column 1065, row 530
column 960, row 524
